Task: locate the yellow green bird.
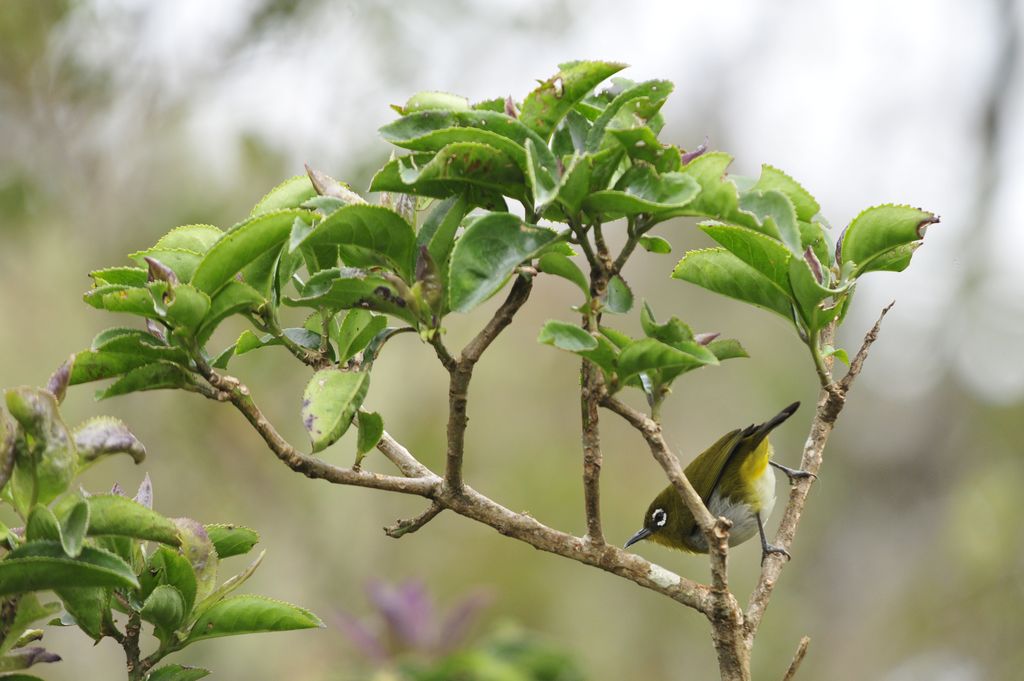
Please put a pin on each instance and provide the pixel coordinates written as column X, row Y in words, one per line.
column 734, row 477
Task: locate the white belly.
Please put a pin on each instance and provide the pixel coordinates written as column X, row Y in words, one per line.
column 744, row 520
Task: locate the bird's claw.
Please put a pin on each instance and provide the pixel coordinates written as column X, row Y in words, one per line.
column 771, row 548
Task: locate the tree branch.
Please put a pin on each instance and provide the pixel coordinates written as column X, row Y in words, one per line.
column 798, row 657
column 461, row 373
column 591, row 387
column 830, row 404
column 410, row 525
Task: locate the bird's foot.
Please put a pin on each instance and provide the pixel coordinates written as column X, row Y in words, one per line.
column 771, row 548
column 793, row 474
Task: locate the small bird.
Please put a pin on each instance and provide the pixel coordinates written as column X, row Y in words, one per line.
column 734, row 479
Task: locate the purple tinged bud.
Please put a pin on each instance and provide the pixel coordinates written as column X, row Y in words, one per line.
column 510, row 107
column 690, row 155
column 58, row 383
column 705, row 338
column 145, row 494
column 160, row 272
column 812, row 262
column 156, row 331
column 922, row 227
column 117, row 490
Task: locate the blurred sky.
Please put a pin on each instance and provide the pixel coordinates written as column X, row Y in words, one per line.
column 127, row 118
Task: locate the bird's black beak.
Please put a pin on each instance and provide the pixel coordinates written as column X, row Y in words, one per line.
column 642, row 534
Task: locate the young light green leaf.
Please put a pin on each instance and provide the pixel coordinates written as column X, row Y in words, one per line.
column 718, row 270
column 487, row 254
column 164, row 607
column 566, row 336
column 878, row 230
column 229, row 585
column 727, row 348
column 655, row 244
column 57, row 460
column 546, row 106
column 356, row 331
column 291, row 193
column 329, row 402
column 631, row 108
column 89, row 606
column 775, row 215
column 194, row 238
column 232, row 540
column 562, row 266
column 439, row 228
column 167, row 566
column 249, row 615
column 396, row 175
column 459, row 164
column 119, row 276
column 368, row 236
column 243, row 245
column 371, row 428
column 177, row 672
column 345, row 288
column 42, row 565
column 619, row 298
column 774, row 179
column 111, row 514
column 765, row 254
column 643, row 190
column 543, row 185
column 650, row 354
column 73, row 528
column 233, row 298
column 42, row 524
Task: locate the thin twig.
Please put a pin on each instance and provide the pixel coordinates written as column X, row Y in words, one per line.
column 798, row 657
column 830, row 404
column 410, row 525
column 461, row 373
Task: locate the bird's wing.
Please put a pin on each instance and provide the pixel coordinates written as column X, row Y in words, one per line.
column 710, row 465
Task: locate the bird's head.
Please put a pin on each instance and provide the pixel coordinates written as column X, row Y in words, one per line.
column 664, row 521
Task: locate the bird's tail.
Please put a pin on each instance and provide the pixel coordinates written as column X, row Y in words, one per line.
column 772, row 423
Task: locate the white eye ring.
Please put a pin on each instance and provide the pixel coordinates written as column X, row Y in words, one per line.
column 659, row 517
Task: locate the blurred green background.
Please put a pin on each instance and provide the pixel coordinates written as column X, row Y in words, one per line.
column 120, row 120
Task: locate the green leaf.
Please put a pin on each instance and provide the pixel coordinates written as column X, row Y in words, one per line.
column 671, row 332
column 487, row 254
column 120, row 276
column 29, row 610
column 167, row 566
column 619, row 298
column 765, row 254
column 438, row 230
column 458, row 164
column 42, row 525
column 118, row 351
column 73, row 529
column 184, row 309
column 727, row 348
column 155, row 376
column 344, row 288
column 566, row 336
column 776, row 217
column 718, row 270
column 105, row 435
column 165, row 608
column 195, row 238
column 429, row 100
column 249, row 615
column 650, row 354
column 543, row 185
column 774, row 179
column 233, row 298
column 177, row 672
column 371, row 428
column 117, row 298
column 42, row 565
column 546, row 106
column 244, row 244
column 231, row 584
column 89, row 606
column 808, row 293
column 655, row 244
column 198, row 550
column 56, row 460
column 878, row 230
column 368, row 236
column 232, row 540
column 356, row 331
column 394, row 177
column 643, row 190
column 111, row 514
column 718, row 197
column 329, row 402
column 562, row 266
column 291, row 193
column 631, row 108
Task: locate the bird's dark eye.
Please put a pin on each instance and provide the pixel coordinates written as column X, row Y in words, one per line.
column 659, row 517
